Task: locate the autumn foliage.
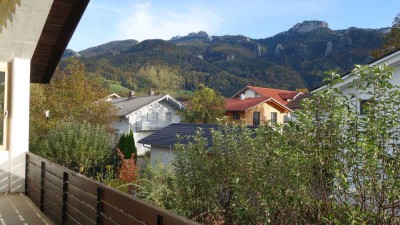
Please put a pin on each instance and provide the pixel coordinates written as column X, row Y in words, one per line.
column 127, row 171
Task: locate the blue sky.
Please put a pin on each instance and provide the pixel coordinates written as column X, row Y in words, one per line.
column 108, row 20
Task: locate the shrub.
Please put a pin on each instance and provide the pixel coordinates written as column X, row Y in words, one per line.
column 82, row 147
column 332, row 166
column 127, row 145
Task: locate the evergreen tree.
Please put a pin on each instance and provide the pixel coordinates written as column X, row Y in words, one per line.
column 121, row 142
column 129, row 147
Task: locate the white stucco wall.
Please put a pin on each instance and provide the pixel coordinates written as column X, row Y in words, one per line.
column 161, row 108
column 12, row 160
column 134, row 119
column 249, row 93
column 139, row 136
column 161, row 155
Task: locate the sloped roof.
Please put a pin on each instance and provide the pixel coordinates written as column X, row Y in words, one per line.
column 277, row 94
column 296, row 103
column 288, row 94
column 126, row 106
column 236, row 104
column 168, row 136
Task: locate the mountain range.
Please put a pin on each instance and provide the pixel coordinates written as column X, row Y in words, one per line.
column 293, row 59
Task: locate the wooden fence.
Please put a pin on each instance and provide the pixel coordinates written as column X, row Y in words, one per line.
column 67, row 197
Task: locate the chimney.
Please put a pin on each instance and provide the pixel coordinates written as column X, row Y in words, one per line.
column 151, row 93
column 131, row 95
column 242, row 96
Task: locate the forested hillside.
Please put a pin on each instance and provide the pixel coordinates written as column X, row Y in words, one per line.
column 293, row 59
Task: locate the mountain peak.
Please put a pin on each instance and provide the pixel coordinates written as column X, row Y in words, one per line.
column 199, row 36
column 308, row 26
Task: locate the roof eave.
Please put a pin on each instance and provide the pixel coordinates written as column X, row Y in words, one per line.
column 59, row 27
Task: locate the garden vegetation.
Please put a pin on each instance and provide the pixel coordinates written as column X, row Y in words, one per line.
column 332, row 166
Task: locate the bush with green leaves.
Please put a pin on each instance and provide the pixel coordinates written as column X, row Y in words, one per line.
column 157, row 185
column 80, row 146
column 332, row 166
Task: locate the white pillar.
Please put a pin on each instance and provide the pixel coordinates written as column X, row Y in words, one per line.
column 19, row 122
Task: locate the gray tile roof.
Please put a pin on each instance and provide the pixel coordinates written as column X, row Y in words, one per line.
column 126, row 106
column 168, row 136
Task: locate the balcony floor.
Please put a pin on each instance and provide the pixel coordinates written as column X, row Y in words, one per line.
column 17, row 209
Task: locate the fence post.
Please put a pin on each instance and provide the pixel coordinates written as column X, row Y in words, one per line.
column 42, row 169
column 98, row 206
column 159, row 220
column 64, row 198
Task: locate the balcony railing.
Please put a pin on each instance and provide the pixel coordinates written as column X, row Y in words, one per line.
column 156, row 125
column 67, row 197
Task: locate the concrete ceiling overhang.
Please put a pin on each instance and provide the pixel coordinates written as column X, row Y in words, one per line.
column 40, row 31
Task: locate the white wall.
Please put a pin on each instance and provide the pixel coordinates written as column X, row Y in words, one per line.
column 249, row 93
column 12, row 160
column 139, row 136
column 161, row 155
column 124, row 125
column 161, row 108
column 19, row 123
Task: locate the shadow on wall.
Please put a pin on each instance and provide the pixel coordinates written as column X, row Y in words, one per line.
column 13, row 181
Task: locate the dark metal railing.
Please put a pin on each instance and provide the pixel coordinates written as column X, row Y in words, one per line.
column 67, row 197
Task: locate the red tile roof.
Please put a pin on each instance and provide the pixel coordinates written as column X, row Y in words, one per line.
column 235, row 104
column 279, row 95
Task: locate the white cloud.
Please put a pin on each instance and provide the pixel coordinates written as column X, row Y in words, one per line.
column 147, row 21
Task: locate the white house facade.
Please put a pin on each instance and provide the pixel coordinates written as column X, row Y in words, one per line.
column 144, row 115
column 392, row 60
column 33, row 37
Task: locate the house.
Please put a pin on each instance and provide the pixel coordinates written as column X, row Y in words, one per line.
column 144, row 115
column 258, row 105
column 282, row 96
column 391, row 59
column 33, row 37
column 161, row 142
column 296, row 105
column 256, row 111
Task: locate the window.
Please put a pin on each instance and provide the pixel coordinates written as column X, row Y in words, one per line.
column 256, row 118
column 236, row 115
column 363, row 104
column 274, row 117
column 4, row 103
column 168, row 117
column 152, row 116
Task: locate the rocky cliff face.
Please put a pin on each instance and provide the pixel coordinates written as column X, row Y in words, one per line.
column 308, row 26
column 289, row 60
column 200, row 36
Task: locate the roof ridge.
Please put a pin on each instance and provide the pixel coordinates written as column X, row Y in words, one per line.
column 262, row 97
column 271, row 88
